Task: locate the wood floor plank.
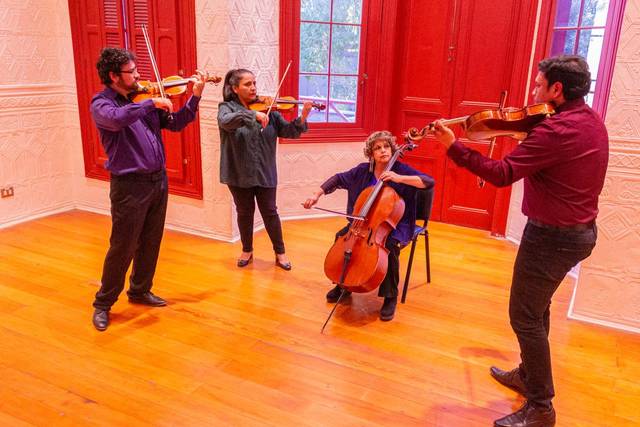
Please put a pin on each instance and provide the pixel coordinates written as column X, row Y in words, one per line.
column 243, row 347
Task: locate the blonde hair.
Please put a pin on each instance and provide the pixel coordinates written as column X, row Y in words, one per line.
column 384, row 135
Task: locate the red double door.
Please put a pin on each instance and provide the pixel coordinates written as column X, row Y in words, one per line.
column 455, row 58
column 117, row 23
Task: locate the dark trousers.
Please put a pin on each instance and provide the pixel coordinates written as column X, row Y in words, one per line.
column 544, row 258
column 138, row 210
column 389, row 285
column 245, row 200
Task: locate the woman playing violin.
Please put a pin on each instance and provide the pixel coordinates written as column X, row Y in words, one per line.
column 379, row 148
column 248, row 159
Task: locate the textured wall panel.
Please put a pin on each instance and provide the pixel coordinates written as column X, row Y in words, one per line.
column 37, row 93
column 608, row 290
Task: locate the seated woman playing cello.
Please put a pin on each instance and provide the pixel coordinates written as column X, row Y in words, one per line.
column 379, row 148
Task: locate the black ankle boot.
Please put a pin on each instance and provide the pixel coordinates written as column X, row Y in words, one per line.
column 334, row 294
column 388, row 309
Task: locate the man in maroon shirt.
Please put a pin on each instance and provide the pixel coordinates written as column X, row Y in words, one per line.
column 563, row 162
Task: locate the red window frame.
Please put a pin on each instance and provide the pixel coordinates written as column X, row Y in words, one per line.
column 371, row 71
column 609, row 47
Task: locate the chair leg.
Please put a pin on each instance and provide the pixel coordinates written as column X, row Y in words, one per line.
column 406, row 277
column 426, row 251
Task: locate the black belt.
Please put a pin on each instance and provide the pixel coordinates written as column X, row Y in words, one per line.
column 575, row 227
column 145, row 177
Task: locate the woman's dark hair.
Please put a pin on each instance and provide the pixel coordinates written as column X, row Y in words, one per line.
column 111, row 60
column 570, row 70
column 232, row 79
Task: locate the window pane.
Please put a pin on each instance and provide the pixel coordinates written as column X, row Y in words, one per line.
column 345, row 49
column 314, row 48
column 347, row 11
column 315, row 10
column 590, row 47
column 567, row 13
column 314, row 88
column 342, row 99
column 595, row 13
column 564, row 41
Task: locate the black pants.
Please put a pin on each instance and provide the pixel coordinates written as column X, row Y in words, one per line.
column 544, row 258
column 138, row 210
column 245, row 200
column 389, row 285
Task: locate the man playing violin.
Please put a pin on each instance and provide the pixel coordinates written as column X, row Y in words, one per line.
column 130, row 135
column 379, row 148
column 248, row 159
column 563, row 162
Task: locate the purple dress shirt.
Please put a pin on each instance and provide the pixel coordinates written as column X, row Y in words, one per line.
column 563, row 162
column 131, row 132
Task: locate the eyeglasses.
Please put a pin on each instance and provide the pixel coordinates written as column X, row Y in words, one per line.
column 131, row 71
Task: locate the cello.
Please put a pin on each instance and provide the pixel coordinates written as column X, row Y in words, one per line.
column 357, row 261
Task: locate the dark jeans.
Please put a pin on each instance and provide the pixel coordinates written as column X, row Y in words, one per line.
column 544, row 258
column 245, row 200
column 138, row 210
column 389, row 285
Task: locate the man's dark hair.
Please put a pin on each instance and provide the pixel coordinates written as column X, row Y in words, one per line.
column 570, row 70
column 232, row 79
column 111, row 60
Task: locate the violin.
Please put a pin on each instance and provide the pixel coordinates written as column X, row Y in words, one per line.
column 282, row 103
column 487, row 124
column 172, row 86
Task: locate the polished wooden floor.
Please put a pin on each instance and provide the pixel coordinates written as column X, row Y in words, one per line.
column 243, row 346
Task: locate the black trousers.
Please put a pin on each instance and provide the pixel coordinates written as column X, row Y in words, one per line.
column 245, row 200
column 138, row 211
column 389, row 285
column 544, row 258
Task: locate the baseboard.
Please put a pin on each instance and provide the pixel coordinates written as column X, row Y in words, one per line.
column 63, row 208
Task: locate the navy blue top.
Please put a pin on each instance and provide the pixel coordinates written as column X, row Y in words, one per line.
column 131, row 132
column 357, row 179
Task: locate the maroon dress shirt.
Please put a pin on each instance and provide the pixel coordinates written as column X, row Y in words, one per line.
column 563, row 162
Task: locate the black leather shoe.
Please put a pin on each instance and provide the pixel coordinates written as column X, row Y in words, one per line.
column 284, row 266
column 528, row 416
column 148, row 299
column 511, row 379
column 334, row 294
column 388, row 309
column 245, row 262
column 101, row 319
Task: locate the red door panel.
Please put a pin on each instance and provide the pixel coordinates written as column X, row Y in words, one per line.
column 455, row 58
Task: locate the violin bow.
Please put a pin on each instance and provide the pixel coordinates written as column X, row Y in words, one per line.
column 152, row 57
column 273, row 101
column 492, row 143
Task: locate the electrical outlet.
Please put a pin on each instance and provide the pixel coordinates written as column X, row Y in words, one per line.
column 6, row 192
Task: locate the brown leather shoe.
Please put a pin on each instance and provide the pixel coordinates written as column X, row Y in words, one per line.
column 148, row 299
column 511, row 379
column 100, row 319
column 528, row 416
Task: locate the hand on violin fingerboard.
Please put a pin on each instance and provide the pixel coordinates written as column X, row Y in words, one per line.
column 306, row 109
column 443, row 133
column 163, row 104
column 262, row 118
column 198, row 86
